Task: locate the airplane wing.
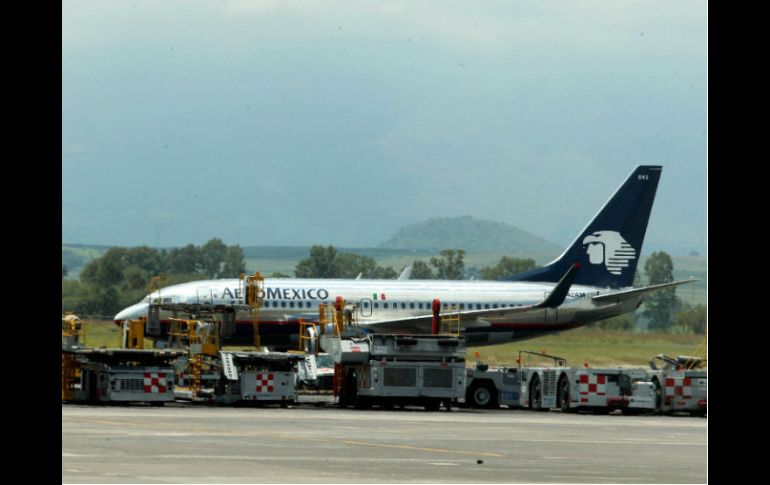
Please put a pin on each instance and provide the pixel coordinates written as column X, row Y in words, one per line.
column 424, row 322
column 635, row 292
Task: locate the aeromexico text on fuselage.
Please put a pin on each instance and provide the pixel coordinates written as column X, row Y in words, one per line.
column 279, row 294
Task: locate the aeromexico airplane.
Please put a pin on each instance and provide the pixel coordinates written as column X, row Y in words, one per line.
column 591, row 281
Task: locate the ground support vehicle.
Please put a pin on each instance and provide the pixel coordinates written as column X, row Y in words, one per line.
column 558, row 386
column 121, row 375
column 316, row 372
column 398, row 370
column 681, row 384
column 257, row 377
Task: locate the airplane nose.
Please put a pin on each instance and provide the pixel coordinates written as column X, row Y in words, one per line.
column 131, row 313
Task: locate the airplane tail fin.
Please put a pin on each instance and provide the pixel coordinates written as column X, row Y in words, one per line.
column 608, row 248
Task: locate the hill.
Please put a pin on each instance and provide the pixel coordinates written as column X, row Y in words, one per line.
column 471, row 234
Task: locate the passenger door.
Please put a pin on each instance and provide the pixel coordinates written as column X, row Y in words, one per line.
column 365, row 307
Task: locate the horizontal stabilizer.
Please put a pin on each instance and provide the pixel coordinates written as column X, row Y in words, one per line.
column 635, row 292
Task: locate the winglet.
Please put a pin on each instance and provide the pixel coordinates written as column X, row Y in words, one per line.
column 406, row 274
column 559, row 293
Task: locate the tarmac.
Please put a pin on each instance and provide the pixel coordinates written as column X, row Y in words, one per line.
column 185, row 443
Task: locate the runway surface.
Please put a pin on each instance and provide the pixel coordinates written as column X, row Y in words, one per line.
column 195, row 444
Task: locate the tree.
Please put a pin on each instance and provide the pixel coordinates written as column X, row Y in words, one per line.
column 692, row 318
column 184, row 260
column 148, row 259
column 107, row 270
column 381, row 273
column 135, row 278
column 64, row 271
column 660, row 305
column 212, row 254
column 320, row 264
column 326, row 263
column 349, row 265
column 450, row 266
column 421, row 271
column 623, row 323
column 507, row 267
column 234, row 263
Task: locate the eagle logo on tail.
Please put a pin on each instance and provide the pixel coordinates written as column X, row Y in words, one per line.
column 609, row 248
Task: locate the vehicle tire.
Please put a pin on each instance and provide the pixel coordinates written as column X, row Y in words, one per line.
column 482, row 395
column 536, row 394
column 349, row 389
column 432, row 405
column 658, row 396
column 363, row 402
column 564, row 397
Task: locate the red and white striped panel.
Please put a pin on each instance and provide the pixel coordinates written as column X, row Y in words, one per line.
column 264, row 382
column 155, row 382
column 595, row 384
column 678, row 387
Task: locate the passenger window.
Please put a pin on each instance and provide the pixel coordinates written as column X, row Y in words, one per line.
column 462, row 306
column 267, row 304
column 494, row 306
column 376, row 305
column 366, row 304
column 411, row 306
column 478, row 306
column 486, row 306
column 385, row 305
column 291, row 304
column 283, row 304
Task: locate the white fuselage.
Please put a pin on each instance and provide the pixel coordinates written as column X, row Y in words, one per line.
column 378, row 302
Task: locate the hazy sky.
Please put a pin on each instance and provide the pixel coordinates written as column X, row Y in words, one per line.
column 272, row 122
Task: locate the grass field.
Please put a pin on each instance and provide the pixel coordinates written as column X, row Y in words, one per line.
column 597, row 347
